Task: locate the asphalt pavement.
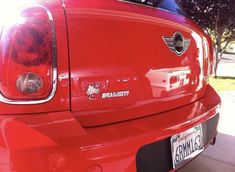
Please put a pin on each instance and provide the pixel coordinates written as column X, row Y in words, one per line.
column 228, row 58
column 226, row 66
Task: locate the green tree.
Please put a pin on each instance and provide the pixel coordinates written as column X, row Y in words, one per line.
column 217, row 18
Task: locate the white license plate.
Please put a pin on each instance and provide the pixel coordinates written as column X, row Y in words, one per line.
column 186, row 145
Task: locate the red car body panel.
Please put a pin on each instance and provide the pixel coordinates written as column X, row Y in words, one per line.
column 57, row 142
column 118, row 46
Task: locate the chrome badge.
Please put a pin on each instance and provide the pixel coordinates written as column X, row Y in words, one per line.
column 115, row 94
column 92, row 90
column 177, row 43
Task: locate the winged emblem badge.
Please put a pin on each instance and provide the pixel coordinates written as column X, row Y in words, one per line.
column 177, row 43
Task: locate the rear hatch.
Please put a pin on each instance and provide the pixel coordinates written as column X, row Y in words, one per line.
column 123, row 64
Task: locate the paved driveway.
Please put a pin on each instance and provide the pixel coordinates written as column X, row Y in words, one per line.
column 218, row 158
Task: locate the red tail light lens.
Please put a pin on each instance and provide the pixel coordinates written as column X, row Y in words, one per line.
column 28, row 72
column 209, row 54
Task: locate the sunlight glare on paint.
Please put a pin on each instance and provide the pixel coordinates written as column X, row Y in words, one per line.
column 10, row 11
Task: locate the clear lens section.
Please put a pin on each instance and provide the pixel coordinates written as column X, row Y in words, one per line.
column 26, row 56
column 29, row 83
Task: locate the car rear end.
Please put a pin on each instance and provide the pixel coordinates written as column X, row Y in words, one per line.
column 112, row 86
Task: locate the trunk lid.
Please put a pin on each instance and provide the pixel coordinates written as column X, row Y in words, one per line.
column 122, row 64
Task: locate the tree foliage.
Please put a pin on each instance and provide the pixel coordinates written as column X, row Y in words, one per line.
column 217, row 18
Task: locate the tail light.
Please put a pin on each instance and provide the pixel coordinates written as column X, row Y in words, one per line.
column 209, row 53
column 28, row 72
column 207, row 58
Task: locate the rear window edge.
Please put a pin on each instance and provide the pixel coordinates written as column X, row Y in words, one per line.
column 149, row 6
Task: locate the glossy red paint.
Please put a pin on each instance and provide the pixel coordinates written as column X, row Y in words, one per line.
column 57, row 142
column 119, row 47
column 105, row 42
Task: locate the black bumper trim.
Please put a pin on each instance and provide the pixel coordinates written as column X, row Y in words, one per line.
column 156, row 157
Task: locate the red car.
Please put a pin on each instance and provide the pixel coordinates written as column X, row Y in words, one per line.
column 103, row 86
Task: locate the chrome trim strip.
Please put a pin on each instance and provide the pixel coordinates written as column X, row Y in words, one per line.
column 54, row 68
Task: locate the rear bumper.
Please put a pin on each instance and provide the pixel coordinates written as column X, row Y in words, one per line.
column 55, row 142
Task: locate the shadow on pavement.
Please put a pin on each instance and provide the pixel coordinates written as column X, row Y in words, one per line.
column 227, row 59
column 225, row 77
column 229, row 53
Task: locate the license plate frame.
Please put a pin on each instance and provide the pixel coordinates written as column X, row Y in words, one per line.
column 186, row 145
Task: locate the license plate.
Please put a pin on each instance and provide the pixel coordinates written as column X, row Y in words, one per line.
column 186, row 145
